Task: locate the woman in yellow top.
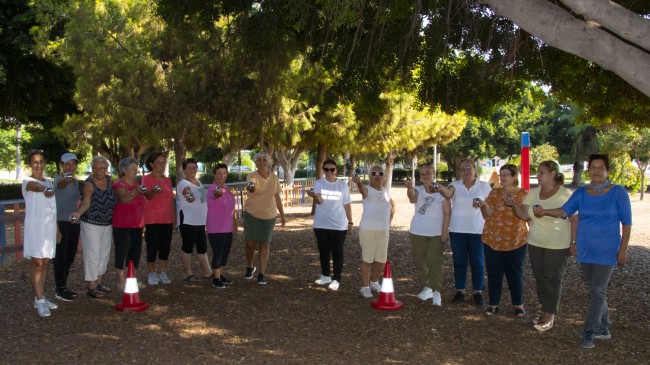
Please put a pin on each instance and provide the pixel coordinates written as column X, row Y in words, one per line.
column 260, row 214
column 504, row 237
column 549, row 240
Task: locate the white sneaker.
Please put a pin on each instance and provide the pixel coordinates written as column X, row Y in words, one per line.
column 365, row 292
column 163, row 278
column 50, row 305
column 323, row 280
column 374, row 285
column 334, row 285
column 42, row 308
column 153, row 278
column 426, row 294
column 437, row 300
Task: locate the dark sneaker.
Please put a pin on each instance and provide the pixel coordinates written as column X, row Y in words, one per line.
column 225, row 280
column 588, row 340
column 458, row 298
column 218, row 284
column 249, row 272
column 478, row 299
column 261, row 279
column 604, row 335
column 64, row 295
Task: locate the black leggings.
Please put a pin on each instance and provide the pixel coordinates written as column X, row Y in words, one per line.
column 221, row 244
column 330, row 240
column 128, row 246
column 159, row 241
column 65, row 252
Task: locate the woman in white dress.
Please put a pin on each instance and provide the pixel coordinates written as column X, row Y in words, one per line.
column 41, row 232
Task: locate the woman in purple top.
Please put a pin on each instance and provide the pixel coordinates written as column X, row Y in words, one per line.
column 220, row 224
column 604, row 227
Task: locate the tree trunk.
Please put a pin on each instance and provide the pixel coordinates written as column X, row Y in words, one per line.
column 180, row 152
column 19, row 170
column 642, row 167
column 621, row 53
column 578, row 168
column 390, row 165
column 288, row 160
column 320, row 158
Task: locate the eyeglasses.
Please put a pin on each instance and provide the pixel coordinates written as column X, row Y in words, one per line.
column 504, row 175
column 377, row 173
column 467, row 168
column 329, row 169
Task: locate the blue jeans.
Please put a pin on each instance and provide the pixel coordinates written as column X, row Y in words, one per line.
column 510, row 263
column 467, row 247
column 597, row 278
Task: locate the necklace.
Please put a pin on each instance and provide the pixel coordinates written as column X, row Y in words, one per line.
column 600, row 188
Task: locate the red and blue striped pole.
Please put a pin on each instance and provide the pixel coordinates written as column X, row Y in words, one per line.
column 525, row 160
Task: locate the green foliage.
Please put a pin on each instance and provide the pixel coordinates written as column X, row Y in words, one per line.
column 538, row 154
column 622, row 172
column 7, row 149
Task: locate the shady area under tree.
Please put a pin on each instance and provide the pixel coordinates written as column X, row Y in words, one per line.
column 293, row 321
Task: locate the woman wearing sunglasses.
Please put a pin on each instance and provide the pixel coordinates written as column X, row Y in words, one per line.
column 378, row 211
column 332, row 218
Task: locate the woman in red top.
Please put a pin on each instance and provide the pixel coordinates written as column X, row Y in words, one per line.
column 128, row 218
column 159, row 217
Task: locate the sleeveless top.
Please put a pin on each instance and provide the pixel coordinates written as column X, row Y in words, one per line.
column 102, row 204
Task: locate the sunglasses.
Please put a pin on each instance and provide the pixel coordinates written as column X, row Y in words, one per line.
column 377, row 173
column 329, row 169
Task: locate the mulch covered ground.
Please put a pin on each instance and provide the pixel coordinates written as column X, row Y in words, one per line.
column 293, row 321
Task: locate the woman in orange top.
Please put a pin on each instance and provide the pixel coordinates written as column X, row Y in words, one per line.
column 504, row 238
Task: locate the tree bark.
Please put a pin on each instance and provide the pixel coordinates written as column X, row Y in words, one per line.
column 320, row 158
column 390, row 165
column 288, row 159
column 180, row 152
column 560, row 29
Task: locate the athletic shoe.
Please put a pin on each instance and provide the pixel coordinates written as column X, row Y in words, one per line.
column 225, row 280
column 604, row 335
column 218, row 284
column 365, row 292
column 322, row 280
column 436, row 299
column 42, row 308
column 153, row 278
column 164, row 278
column 50, row 305
column 249, row 272
column 588, row 340
column 261, row 279
column 64, row 295
column 374, row 286
column 459, row 297
column 425, row 294
column 334, row 285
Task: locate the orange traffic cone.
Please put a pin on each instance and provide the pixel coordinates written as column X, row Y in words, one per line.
column 387, row 301
column 131, row 298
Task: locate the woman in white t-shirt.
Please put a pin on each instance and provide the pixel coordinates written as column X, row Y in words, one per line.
column 428, row 233
column 332, row 218
column 192, row 212
column 378, row 211
column 466, row 228
column 549, row 240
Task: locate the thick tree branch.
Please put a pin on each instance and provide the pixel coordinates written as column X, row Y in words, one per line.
column 558, row 28
column 626, row 24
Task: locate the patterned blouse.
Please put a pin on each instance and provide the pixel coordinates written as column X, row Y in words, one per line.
column 503, row 231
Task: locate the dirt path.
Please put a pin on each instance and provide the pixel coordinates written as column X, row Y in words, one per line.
column 293, row 321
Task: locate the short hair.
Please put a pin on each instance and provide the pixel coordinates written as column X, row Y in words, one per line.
column 126, row 163
column 152, row 157
column 553, row 166
column 377, row 167
column 219, row 166
column 599, row 156
column 329, row 161
column 33, row 153
column 514, row 171
column 99, row 158
column 470, row 160
column 426, row 167
column 188, row 161
column 263, row 154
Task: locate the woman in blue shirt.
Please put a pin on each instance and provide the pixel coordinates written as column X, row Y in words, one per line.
column 601, row 242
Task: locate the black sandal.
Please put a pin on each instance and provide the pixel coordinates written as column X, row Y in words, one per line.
column 192, row 279
column 103, row 288
column 94, row 293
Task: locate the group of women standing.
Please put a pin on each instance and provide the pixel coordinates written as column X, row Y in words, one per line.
column 491, row 229
column 105, row 211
